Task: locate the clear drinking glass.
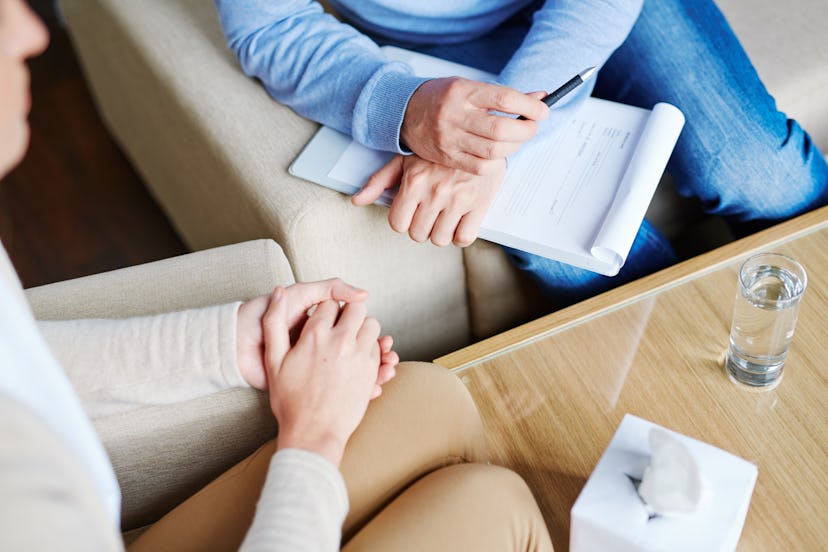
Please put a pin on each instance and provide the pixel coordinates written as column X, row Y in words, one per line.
column 764, row 317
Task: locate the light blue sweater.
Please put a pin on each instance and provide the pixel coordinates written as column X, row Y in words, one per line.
column 331, row 73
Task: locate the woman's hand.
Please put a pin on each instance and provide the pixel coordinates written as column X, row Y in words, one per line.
column 320, row 386
column 302, row 296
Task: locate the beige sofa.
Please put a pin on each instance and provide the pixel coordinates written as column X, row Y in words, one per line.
column 163, row 454
column 214, row 149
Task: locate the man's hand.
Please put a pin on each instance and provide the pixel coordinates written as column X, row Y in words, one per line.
column 449, row 121
column 435, row 202
column 320, row 387
column 250, row 339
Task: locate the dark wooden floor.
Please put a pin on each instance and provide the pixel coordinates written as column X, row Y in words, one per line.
column 75, row 206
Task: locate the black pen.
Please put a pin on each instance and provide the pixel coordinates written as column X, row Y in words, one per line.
column 566, row 88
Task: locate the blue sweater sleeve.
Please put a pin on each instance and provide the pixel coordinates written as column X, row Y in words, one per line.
column 566, row 37
column 323, row 69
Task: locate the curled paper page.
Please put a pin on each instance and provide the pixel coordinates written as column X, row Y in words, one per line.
column 672, row 484
column 638, row 186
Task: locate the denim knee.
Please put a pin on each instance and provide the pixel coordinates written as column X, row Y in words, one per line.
column 758, row 174
column 741, row 156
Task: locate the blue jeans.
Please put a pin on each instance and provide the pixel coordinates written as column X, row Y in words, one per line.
column 738, row 154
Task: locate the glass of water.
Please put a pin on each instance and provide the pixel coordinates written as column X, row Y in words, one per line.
column 764, row 317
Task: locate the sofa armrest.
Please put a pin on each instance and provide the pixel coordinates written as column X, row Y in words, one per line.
column 163, row 454
column 209, row 277
column 214, row 149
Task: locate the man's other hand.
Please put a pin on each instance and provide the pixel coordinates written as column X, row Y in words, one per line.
column 435, row 202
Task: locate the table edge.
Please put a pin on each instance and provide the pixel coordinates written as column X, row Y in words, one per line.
column 616, row 298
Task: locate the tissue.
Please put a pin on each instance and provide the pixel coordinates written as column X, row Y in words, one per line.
column 672, row 484
column 610, row 514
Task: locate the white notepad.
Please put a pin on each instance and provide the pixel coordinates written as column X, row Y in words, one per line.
column 577, row 194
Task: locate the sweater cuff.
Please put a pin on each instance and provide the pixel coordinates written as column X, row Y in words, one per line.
column 228, row 318
column 378, row 124
column 298, row 460
column 302, row 506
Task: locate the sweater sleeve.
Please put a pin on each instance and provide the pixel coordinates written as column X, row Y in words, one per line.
column 116, row 365
column 566, row 37
column 321, row 68
column 302, row 507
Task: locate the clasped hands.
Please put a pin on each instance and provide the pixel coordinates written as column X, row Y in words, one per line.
column 320, row 368
column 460, row 147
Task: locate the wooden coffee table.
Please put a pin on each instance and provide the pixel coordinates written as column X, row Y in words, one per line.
column 552, row 392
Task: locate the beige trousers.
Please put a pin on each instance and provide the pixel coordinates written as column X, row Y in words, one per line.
column 415, row 475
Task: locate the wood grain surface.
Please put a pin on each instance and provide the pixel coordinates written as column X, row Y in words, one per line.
column 552, row 392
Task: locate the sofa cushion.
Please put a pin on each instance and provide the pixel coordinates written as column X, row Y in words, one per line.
column 500, row 295
column 164, row 454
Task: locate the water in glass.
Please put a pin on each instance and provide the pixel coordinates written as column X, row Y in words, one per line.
column 764, row 319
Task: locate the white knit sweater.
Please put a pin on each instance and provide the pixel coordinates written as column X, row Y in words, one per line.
column 114, row 366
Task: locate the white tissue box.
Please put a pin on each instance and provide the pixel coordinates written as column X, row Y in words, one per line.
column 610, row 516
